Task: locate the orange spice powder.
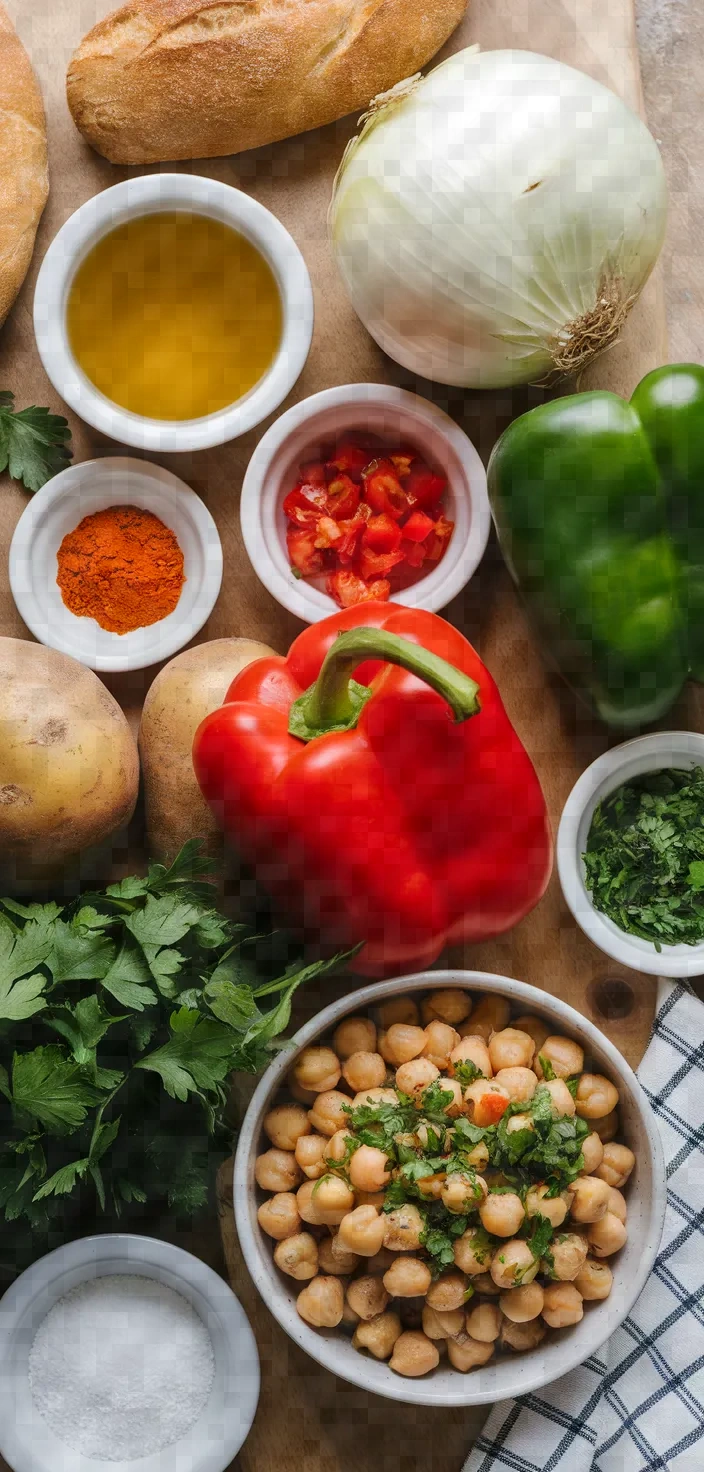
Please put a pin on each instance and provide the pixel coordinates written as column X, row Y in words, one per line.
column 122, row 567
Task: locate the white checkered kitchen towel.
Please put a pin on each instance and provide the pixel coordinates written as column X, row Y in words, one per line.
column 637, row 1406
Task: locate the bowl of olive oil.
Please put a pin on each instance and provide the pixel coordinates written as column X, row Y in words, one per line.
column 173, row 312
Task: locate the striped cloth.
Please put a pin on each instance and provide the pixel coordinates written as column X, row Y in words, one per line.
column 637, row 1406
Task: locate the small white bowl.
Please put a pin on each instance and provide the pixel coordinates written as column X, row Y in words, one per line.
column 509, row 1375
column 58, row 507
column 28, row 1443
column 395, row 417
column 632, row 759
column 151, row 194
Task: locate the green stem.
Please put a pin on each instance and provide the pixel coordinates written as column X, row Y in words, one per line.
column 335, row 701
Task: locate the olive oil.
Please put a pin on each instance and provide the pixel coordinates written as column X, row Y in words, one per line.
column 174, row 316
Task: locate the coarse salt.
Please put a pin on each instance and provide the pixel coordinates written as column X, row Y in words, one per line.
column 120, row 1367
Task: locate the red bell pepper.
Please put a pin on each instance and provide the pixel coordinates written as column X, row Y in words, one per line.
column 398, row 808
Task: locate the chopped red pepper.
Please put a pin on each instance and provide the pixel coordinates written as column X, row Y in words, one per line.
column 360, row 514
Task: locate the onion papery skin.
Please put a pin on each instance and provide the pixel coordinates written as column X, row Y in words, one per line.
column 496, row 220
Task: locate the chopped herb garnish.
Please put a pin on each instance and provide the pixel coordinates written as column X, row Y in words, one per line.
column 548, row 1070
column 466, row 1072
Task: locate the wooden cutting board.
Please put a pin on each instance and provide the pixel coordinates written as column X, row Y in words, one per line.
column 307, row 1421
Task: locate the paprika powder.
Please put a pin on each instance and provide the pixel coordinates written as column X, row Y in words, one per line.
column 122, row 567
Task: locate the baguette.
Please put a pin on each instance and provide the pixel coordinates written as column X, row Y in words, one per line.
column 24, row 178
column 183, row 79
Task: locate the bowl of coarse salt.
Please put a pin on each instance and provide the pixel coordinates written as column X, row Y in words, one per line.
column 122, row 1353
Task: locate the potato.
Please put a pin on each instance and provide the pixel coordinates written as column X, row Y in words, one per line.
column 69, row 770
column 183, row 693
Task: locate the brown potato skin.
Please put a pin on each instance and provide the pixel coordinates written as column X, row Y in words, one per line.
column 182, row 695
column 69, row 769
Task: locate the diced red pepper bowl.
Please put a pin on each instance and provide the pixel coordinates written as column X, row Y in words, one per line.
column 372, row 413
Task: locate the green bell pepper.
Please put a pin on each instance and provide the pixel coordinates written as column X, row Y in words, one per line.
column 599, row 508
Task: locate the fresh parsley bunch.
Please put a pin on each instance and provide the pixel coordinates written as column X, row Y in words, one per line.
column 122, row 1016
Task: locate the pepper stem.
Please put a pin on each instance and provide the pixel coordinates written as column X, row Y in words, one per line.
column 335, row 701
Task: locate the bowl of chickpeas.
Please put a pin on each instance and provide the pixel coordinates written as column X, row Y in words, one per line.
column 450, row 1189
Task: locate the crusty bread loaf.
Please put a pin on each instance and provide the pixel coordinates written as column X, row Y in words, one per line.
column 24, row 178
column 177, row 79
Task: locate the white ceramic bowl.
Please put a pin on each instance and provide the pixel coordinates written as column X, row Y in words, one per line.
column 59, row 506
column 394, row 416
column 632, row 759
column 508, row 1375
column 27, row 1442
column 151, row 194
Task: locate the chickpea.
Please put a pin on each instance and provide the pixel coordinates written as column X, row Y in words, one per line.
column 555, row 1208
column 322, row 1302
column 367, row 1296
column 297, row 1255
column 354, row 1035
column 362, row 1231
column 502, row 1213
column 447, row 1292
column 408, row 1277
column 456, row 1105
column 349, row 1320
column 511, row 1048
column 310, row 1155
column 568, row 1253
column 415, row 1077
column 563, row 1104
column 277, row 1170
column 490, row 1014
column 309, row 1205
column 448, row 1004
column 364, row 1071
column 340, row 1265
column 317, row 1069
column 594, row 1280
column 520, row 1337
column 398, row 1009
column 590, row 1199
column 471, row 1253
column 478, row 1156
column 284, row 1124
column 414, row 1354
column 337, row 1147
column 374, row 1096
column 474, row 1050
column 484, row 1323
column 520, row 1305
column 333, row 1198
column 596, row 1096
column 378, row 1335
column 565, row 1057
column 519, row 1122
column 369, row 1169
column 484, row 1284
column 461, row 1193
column 607, row 1236
column 440, row 1039
column 369, row 1198
column 279, row 1216
column 593, row 1153
column 329, row 1113
column 469, row 1355
column 535, row 1028
column 446, row 1324
column 431, row 1187
column 513, row 1263
column 608, row 1127
column 302, row 1096
column 617, row 1204
column 403, row 1042
column 486, row 1102
column 616, row 1164
column 519, row 1083
column 403, row 1227
column 563, row 1305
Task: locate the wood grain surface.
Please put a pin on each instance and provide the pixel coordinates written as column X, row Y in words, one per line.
column 309, row 1422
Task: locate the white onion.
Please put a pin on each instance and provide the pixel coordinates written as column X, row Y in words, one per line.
column 496, row 219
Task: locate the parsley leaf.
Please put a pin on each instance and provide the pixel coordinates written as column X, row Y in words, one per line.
column 466, row 1072
column 33, row 442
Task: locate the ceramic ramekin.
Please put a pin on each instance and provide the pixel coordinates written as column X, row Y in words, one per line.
column 509, row 1375
column 395, row 417
column 28, row 1443
column 153, row 194
column 632, row 759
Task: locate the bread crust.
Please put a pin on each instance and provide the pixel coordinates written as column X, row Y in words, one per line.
column 24, row 176
column 182, row 79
